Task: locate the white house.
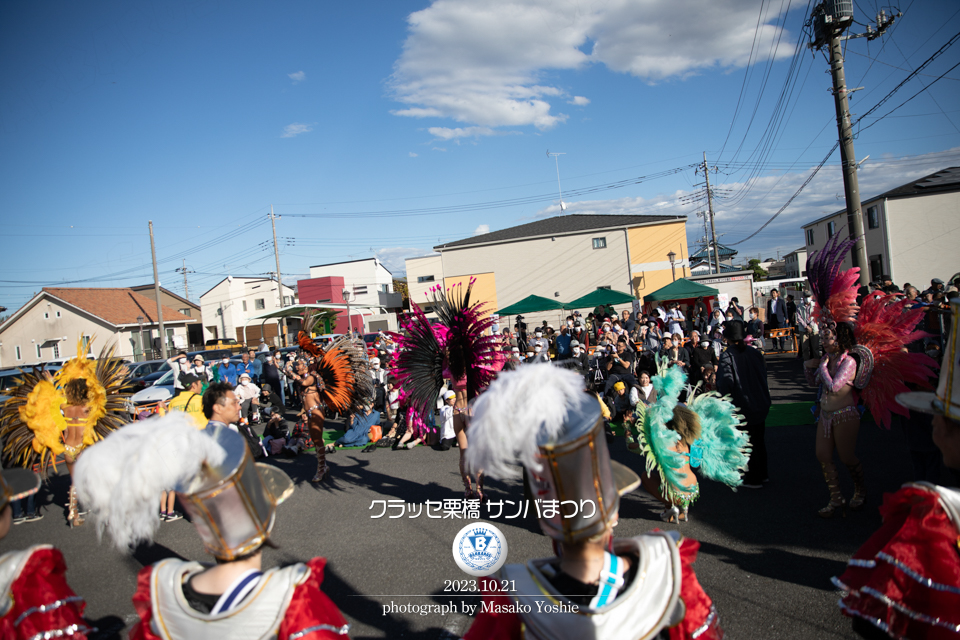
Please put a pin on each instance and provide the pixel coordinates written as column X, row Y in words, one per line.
column 422, row 273
column 911, row 232
column 49, row 326
column 795, row 263
column 225, row 308
column 370, row 284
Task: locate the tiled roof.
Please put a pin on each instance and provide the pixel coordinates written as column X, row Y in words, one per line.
column 116, row 306
column 725, row 252
column 559, row 225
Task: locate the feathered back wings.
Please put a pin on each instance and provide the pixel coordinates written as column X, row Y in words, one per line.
column 31, row 422
column 303, row 337
column 470, row 353
column 886, row 326
column 418, row 361
column 343, row 370
column 834, row 291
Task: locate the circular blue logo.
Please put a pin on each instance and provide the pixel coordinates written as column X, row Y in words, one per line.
column 480, row 549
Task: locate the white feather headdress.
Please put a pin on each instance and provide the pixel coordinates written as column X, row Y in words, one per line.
column 520, row 410
column 120, row 478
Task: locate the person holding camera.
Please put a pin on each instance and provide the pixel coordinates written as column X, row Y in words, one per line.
column 619, row 365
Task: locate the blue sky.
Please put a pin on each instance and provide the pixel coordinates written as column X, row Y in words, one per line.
column 384, row 128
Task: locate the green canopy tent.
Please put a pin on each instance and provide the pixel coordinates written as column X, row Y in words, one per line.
column 682, row 289
column 600, row 296
column 532, row 304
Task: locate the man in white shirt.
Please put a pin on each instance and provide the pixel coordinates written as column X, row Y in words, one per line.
column 674, row 319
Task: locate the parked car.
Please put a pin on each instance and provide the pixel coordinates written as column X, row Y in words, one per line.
column 327, row 338
column 230, row 344
column 146, row 400
column 9, row 378
column 141, row 369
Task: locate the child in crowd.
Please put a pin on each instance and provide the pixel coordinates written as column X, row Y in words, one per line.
column 447, row 435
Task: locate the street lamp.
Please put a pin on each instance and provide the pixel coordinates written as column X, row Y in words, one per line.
column 140, row 322
column 346, row 297
column 672, row 257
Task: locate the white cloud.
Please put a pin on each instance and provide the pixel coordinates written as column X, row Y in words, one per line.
column 412, row 154
column 486, row 62
column 393, row 258
column 299, row 76
column 295, row 129
column 444, row 133
column 579, row 101
column 438, row 149
column 737, row 219
column 482, row 229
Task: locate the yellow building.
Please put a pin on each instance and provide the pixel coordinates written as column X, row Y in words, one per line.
column 561, row 258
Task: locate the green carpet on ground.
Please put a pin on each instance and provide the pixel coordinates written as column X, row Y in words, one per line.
column 790, row 414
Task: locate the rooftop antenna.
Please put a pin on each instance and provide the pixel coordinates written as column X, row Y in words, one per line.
column 557, row 161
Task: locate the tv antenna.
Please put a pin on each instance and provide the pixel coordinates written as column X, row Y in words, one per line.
column 559, row 188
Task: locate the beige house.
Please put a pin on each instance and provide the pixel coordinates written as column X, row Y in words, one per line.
column 182, row 305
column 564, row 257
column 51, row 324
column 912, row 232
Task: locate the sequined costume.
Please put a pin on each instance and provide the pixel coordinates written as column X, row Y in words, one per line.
column 35, row 600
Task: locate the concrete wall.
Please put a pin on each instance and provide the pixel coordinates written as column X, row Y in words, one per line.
column 916, row 239
column 484, row 289
column 649, row 247
column 423, row 267
column 568, row 265
column 57, row 336
column 924, row 238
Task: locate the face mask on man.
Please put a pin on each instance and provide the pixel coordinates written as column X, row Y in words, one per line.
column 375, row 364
column 226, row 361
column 576, row 351
column 244, row 382
column 182, row 361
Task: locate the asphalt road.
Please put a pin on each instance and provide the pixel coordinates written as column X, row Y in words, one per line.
column 766, row 558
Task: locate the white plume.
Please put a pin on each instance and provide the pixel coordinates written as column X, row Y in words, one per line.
column 120, row 478
column 519, row 408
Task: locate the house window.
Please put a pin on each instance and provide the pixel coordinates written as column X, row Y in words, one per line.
column 85, row 342
column 324, row 301
column 876, row 267
column 424, row 278
column 873, row 218
column 287, row 301
column 831, row 229
column 185, row 312
column 809, row 237
column 18, row 353
column 58, row 314
column 38, row 352
column 244, row 305
column 360, row 291
column 258, row 304
column 385, row 288
column 46, row 316
column 599, row 243
column 56, row 349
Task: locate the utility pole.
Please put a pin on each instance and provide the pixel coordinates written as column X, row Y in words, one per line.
column 830, row 19
column 276, row 254
column 185, row 271
column 156, row 293
column 713, row 228
column 559, row 189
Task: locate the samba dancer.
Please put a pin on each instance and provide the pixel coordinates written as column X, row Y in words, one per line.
column 905, row 581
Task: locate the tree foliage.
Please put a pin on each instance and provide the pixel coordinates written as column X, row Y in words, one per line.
column 759, row 273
